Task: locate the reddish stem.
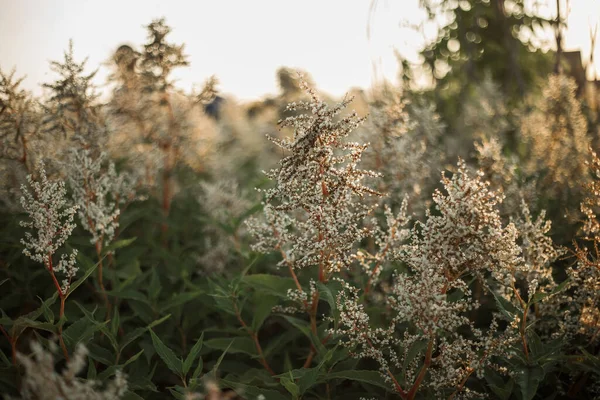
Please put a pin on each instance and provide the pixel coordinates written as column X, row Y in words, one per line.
column 254, row 337
column 63, row 298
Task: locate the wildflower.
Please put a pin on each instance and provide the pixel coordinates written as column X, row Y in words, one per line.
column 42, row 382
column 99, row 193
column 52, row 220
column 402, row 136
column 225, row 203
column 313, row 215
column 557, row 136
column 430, row 303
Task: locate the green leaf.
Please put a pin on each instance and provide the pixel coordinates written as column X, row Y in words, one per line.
column 79, row 281
column 290, row 385
column 133, row 335
column 110, row 371
column 304, row 327
column 167, row 355
column 366, row 376
column 507, row 308
column 310, row 377
column 497, row 385
column 24, row 321
column 528, row 378
column 262, row 309
column 271, row 284
column 187, row 364
column 593, row 362
column 91, row 372
column 100, row 354
column 416, row 348
column 243, row 345
column 102, row 326
column 129, row 294
column 154, row 288
column 327, row 294
column 47, row 311
column 219, row 361
column 131, row 396
column 115, row 323
column 118, row 244
column 81, row 331
column 198, row 369
column 179, row 299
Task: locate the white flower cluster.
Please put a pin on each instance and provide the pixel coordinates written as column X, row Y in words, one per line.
column 427, row 335
column 388, row 242
column 557, row 135
column 591, row 203
column 42, row 382
column 539, row 251
column 582, row 316
column 403, row 137
column 225, row 203
column 52, row 220
column 468, row 237
column 314, row 213
column 505, row 175
column 493, row 163
column 99, row 192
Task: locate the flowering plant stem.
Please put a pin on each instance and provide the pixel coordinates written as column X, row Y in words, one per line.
column 63, row 297
column 254, row 336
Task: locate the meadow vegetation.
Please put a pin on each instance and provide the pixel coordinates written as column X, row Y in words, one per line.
column 401, row 243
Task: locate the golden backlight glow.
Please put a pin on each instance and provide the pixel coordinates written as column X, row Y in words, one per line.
column 341, row 43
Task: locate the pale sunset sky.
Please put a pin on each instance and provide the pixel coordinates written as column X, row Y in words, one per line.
column 242, row 42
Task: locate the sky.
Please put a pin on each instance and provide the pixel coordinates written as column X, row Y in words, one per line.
column 242, row 42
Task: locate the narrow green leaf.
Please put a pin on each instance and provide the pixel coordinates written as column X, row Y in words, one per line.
column 118, row 244
column 198, row 370
column 187, row 364
column 155, row 287
column 366, row 376
column 219, row 361
column 180, row 299
column 289, row 384
column 133, row 335
column 91, row 372
column 115, row 323
column 243, row 345
column 167, row 355
column 505, row 307
column 47, row 311
column 79, row 281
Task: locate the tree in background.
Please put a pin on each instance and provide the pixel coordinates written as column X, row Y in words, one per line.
column 72, row 109
column 18, row 119
column 163, row 123
column 478, row 37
